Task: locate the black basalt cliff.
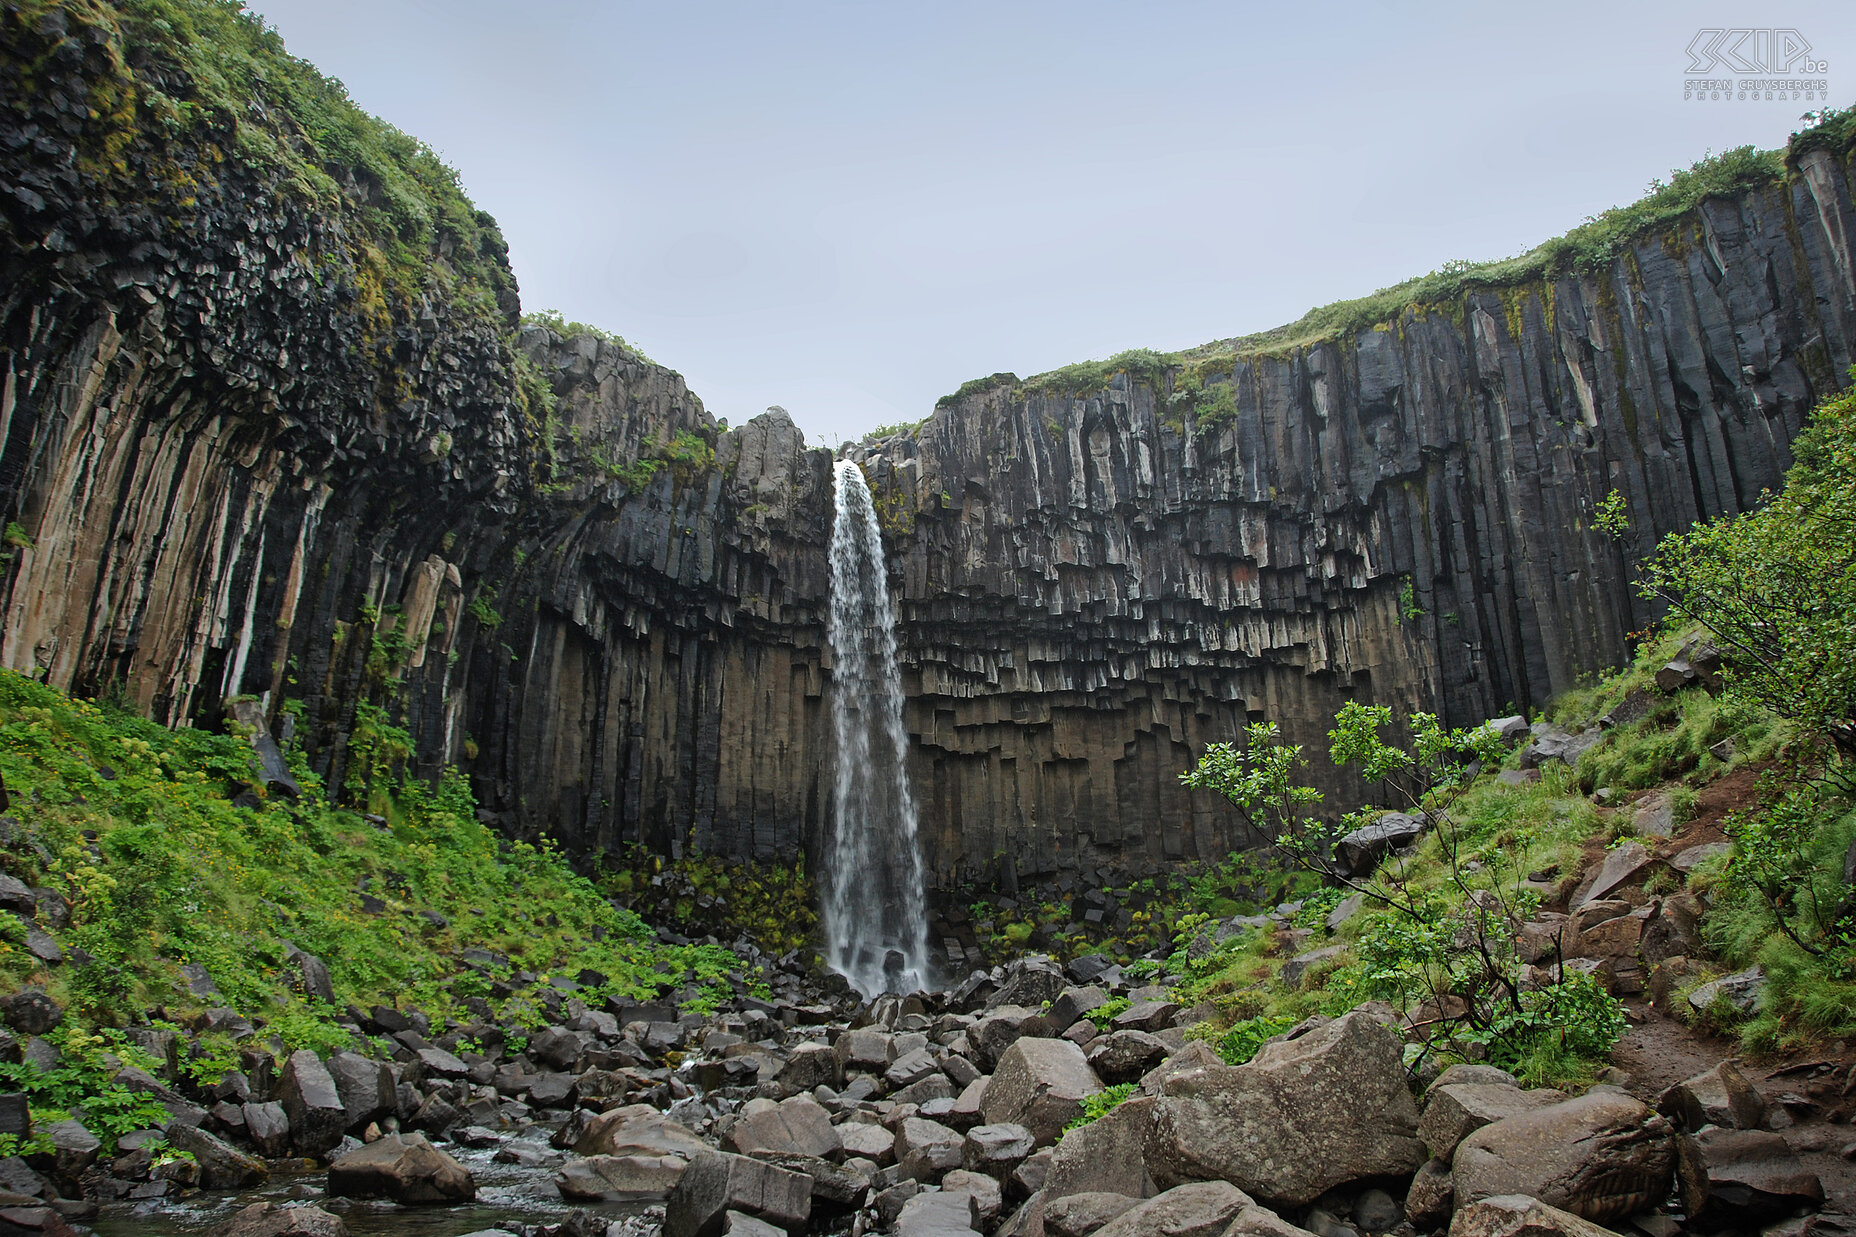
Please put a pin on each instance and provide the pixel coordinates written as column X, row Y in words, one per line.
column 269, row 427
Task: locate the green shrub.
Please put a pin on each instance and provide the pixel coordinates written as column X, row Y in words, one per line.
column 1099, row 1105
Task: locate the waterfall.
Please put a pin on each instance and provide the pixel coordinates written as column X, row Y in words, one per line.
column 876, row 929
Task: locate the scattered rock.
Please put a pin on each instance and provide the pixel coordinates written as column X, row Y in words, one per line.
column 1619, row 865
column 1752, row 1175
column 1454, row 1111
column 1741, row 990
column 222, row 1166
column 403, row 1167
column 1201, row 1209
column 1040, row 1084
column 619, row 1177
column 31, row 1012
column 273, row 1220
column 1306, row 1114
column 1517, row 1215
column 715, row 1184
column 1601, row 1156
column 1108, row 1154
column 1361, row 851
column 1720, row 1096
column 309, row 1096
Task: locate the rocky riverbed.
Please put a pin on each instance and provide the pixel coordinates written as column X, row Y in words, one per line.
column 933, row 1115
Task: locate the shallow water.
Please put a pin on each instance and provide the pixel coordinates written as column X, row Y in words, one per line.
column 506, row 1194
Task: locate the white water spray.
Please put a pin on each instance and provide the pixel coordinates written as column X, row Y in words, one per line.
column 876, row 929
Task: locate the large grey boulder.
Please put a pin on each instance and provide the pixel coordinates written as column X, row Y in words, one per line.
column 715, row 1184
column 1303, row 1116
column 403, row 1167
column 272, row 1220
column 1125, row 1056
column 996, row 1149
column 1107, row 1154
column 1457, row 1110
column 312, row 1102
column 797, row 1126
column 1040, row 1084
column 1751, row 1176
column 1721, row 1096
column 1201, row 1209
column 1079, row 1215
column 812, row 1065
column 366, row 1087
column 1602, row 1156
column 268, row 1127
column 615, row 1178
column 1359, row 852
column 638, row 1129
column 1517, row 1215
column 926, row 1149
column 222, row 1166
column 937, row 1213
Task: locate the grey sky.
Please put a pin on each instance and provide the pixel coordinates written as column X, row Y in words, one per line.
column 849, row 209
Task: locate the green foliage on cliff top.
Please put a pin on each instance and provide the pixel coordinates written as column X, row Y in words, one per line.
column 135, row 826
column 557, row 322
column 212, row 73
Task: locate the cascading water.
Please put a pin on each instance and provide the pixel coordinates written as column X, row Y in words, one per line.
column 876, row 929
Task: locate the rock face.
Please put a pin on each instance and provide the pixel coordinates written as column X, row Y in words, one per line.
column 338, row 482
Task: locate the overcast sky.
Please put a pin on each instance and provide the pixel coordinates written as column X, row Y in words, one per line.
column 849, row 209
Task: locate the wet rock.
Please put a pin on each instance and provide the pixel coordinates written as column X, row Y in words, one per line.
column 984, row 1197
column 619, row 1177
column 1040, row 1084
column 222, row 1166
column 716, row 1183
column 812, row 1065
column 313, row 1103
column 1721, row 1096
column 1304, row 1115
column 402, row 1167
column 1517, row 1215
column 74, row 1148
column 1601, row 1156
column 273, row 1220
column 1431, row 1197
column 365, row 1087
column 638, row 1129
column 1201, row 1209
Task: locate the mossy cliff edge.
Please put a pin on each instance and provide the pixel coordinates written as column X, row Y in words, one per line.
column 272, row 427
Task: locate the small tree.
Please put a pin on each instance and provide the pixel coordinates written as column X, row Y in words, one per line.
column 1453, row 946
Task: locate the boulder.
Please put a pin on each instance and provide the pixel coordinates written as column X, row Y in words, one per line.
column 996, row 1149
column 1201, row 1209
column 403, row 1167
column 1125, row 1056
column 1721, row 1096
column 1741, row 990
column 984, row 1197
column 797, row 1126
column 615, row 1178
column 1752, row 1176
column 1431, row 1198
column 1073, row 1003
column 1618, row 866
column 1197, row 1054
column 869, row 1142
column 1517, row 1215
column 1146, row 1016
column 1455, row 1111
column 74, row 1148
column 843, row 1185
column 365, row 1087
column 272, row 1220
column 935, row 1213
column 312, row 1102
column 1295, row 969
column 1601, row 1156
column 812, row 1065
column 268, row 1128
column 926, row 1149
column 1040, row 1083
column 990, row 1037
column 1107, row 1154
column 715, row 1184
column 1079, row 1215
column 222, row 1166
column 1359, row 852
column 31, row 1012
column 1306, row 1114
column 638, row 1129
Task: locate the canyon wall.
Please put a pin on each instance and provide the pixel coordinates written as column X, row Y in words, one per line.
column 268, row 441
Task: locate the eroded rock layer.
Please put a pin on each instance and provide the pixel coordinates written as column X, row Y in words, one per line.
column 237, row 458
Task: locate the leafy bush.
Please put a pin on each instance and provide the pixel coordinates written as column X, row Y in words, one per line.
column 1240, row 1043
column 1099, row 1105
